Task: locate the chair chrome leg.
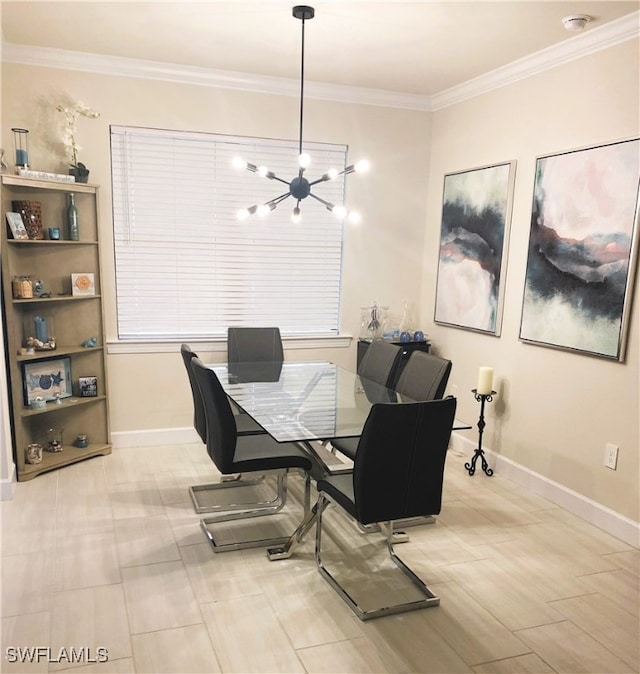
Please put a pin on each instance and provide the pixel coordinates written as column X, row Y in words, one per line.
column 398, row 536
column 248, row 513
column 240, row 545
column 269, row 507
column 226, row 482
column 429, row 600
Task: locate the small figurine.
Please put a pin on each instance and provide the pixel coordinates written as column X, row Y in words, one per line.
column 92, row 341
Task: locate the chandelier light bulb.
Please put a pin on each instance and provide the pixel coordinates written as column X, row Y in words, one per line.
column 304, row 160
column 263, row 171
column 362, row 166
column 354, row 218
column 263, row 210
column 296, row 216
column 339, row 211
column 243, row 214
column 332, row 173
column 239, row 163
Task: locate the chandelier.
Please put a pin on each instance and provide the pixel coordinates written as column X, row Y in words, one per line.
column 299, row 187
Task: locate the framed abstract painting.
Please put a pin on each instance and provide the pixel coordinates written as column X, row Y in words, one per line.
column 474, row 233
column 583, row 247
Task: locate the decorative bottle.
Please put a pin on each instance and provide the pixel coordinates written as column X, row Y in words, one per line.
column 405, row 322
column 72, row 219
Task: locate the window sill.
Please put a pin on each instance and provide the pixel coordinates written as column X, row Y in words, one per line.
column 163, row 346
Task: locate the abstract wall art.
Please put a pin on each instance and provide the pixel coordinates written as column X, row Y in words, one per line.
column 583, row 250
column 476, row 212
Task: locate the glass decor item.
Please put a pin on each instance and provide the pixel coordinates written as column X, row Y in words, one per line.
column 73, row 231
column 22, row 287
column 372, row 322
column 22, row 150
column 54, row 440
column 33, row 453
column 39, row 333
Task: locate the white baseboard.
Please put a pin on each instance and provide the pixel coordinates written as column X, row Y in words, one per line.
column 600, row 516
column 7, row 485
column 157, row 436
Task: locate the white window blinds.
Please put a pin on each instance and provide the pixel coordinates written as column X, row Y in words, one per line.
column 186, row 268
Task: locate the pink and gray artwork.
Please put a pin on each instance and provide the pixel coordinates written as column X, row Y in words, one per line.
column 582, row 249
column 473, row 239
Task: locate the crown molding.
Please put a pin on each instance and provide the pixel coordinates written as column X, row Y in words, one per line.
column 589, row 42
column 596, row 39
column 118, row 66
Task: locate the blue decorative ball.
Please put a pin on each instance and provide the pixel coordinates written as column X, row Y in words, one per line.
column 405, row 336
column 418, row 336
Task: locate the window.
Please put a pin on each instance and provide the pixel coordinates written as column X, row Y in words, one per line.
column 186, row 268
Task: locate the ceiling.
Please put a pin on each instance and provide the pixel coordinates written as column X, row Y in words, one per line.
column 420, row 48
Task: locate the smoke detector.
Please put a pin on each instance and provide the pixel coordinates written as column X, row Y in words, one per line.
column 576, row 22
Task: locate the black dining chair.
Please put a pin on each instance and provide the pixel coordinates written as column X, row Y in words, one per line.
column 424, row 377
column 378, row 369
column 254, row 345
column 245, row 426
column 398, row 474
column 380, row 362
column 233, row 453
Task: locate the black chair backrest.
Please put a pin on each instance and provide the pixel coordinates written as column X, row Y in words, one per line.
column 399, row 466
column 380, row 362
column 254, row 345
column 424, row 377
column 222, row 432
column 199, row 420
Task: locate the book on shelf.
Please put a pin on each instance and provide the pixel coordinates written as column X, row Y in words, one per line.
column 44, row 175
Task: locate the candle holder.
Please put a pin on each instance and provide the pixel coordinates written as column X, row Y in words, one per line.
column 21, row 147
column 482, row 398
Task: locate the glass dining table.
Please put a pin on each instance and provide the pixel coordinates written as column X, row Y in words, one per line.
column 309, row 403
column 307, row 400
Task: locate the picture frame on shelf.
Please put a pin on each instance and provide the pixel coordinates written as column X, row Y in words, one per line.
column 16, row 226
column 47, row 380
column 82, row 284
column 88, row 387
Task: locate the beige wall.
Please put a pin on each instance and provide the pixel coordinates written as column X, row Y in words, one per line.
column 382, row 256
column 556, row 410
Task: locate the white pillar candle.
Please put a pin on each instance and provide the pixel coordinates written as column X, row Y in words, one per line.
column 485, row 380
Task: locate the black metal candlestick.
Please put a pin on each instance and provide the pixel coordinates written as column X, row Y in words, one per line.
column 482, row 398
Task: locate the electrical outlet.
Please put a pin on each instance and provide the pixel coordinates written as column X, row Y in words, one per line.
column 611, row 456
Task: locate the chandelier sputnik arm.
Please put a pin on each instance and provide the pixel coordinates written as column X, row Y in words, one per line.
column 299, row 187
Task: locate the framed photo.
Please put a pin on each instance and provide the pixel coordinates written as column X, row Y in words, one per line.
column 83, row 284
column 47, row 379
column 88, row 387
column 16, row 225
column 474, row 236
column 583, row 246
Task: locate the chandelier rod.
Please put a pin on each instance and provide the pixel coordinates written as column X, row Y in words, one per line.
column 301, row 89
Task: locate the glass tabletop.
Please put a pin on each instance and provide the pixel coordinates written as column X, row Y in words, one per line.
column 303, row 401
column 296, row 401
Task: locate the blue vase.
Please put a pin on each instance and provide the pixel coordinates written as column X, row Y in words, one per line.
column 418, row 336
column 405, row 336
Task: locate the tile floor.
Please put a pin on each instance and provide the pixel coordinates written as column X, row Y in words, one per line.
column 108, row 554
